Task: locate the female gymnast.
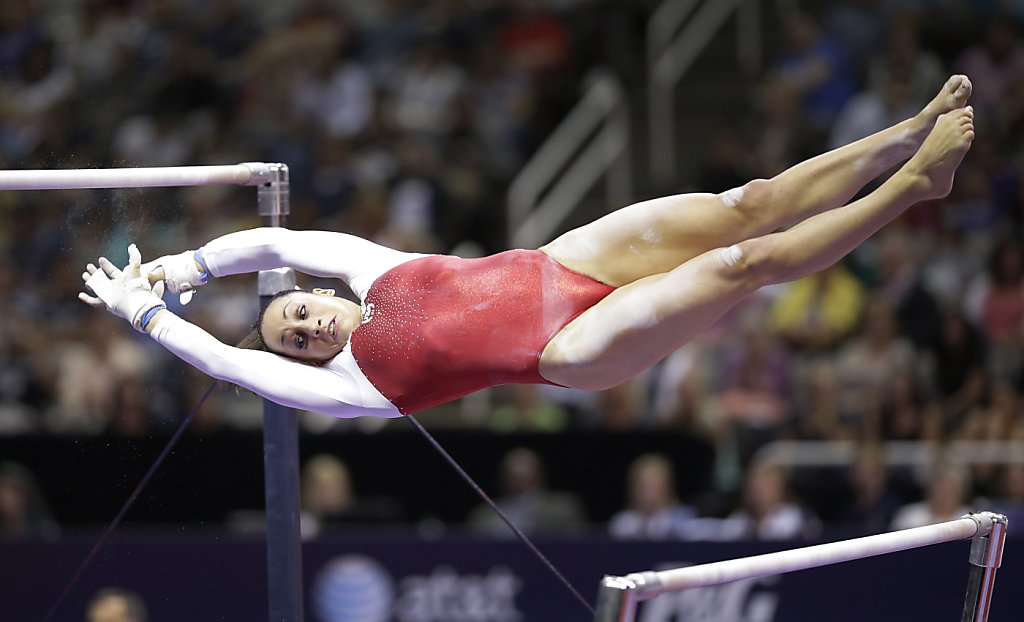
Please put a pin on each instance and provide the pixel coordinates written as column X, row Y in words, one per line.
column 591, row 309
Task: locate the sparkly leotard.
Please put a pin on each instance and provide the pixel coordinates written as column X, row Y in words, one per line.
column 434, row 327
column 439, row 327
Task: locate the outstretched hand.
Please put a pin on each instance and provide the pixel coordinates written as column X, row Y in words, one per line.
column 125, row 293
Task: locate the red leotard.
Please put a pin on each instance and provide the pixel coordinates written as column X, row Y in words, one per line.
column 439, row 327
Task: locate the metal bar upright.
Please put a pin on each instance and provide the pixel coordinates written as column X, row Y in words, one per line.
column 616, row 600
column 986, row 557
column 280, row 441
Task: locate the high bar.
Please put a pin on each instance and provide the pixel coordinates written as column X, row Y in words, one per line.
column 652, row 583
column 245, row 174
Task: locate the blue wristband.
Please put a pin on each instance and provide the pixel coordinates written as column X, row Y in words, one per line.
column 148, row 315
column 205, row 274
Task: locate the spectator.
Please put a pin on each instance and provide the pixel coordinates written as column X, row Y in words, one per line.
column 874, row 110
column 417, row 204
column 767, row 512
column 995, row 65
column 903, row 59
column 868, row 363
column 501, row 106
column 958, row 359
column 116, row 605
column 333, row 91
column 901, row 287
column 132, row 413
column 997, row 305
column 817, row 313
column 818, row 410
column 536, row 41
column 814, row 66
column 87, row 376
column 871, row 503
column 40, row 86
column 727, row 161
column 326, row 493
column 527, row 501
column 1008, row 498
column 858, row 26
column 329, row 498
column 23, row 512
column 946, row 499
column 426, row 91
column 20, row 28
column 900, row 412
column 753, row 398
column 781, row 136
column 654, row 512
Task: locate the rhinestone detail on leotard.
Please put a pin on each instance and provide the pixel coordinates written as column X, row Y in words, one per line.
column 439, row 327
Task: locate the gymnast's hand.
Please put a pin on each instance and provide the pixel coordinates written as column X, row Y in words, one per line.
column 181, row 273
column 125, row 293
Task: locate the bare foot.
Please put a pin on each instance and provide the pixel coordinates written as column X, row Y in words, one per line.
column 941, row 153
column 951, row 96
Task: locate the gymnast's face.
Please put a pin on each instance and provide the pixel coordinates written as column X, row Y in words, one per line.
column 309, row 326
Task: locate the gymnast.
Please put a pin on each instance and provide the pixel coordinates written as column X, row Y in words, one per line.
column 589, row 310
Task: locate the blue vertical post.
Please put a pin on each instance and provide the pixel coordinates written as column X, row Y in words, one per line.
column 280, row 443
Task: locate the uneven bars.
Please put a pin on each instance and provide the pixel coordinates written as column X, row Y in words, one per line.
column 245, row 174
column 652, row 583
column 281, row 440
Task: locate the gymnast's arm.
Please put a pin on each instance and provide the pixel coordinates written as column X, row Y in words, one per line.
column 319, row 253
column 286, row 382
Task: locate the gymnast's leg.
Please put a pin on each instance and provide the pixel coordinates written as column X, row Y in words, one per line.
column 655, row 236
column 640, row 323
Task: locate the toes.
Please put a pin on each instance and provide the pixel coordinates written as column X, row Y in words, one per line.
column 964, row 90
column 954, row 83
column 959, row 86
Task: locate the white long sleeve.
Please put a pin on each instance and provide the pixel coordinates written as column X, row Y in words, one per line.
column 320, row 253
column 337, row 388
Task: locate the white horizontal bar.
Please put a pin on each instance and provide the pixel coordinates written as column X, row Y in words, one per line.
column 654, row 583
column 248, row 174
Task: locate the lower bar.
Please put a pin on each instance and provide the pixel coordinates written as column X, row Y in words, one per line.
column 619, row 595
column 651, row 584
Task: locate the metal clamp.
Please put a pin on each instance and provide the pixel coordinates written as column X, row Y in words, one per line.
column 987, row 549
column 270, row 282
column 272, row 193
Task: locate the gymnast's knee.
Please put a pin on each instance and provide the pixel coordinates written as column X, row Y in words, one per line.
column 751, row 199
column 750, row 264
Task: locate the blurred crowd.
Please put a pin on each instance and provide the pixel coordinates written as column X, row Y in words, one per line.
column 400, row 121
column 404, row 121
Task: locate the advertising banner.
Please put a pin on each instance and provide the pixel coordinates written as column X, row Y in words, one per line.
column 408, row 579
